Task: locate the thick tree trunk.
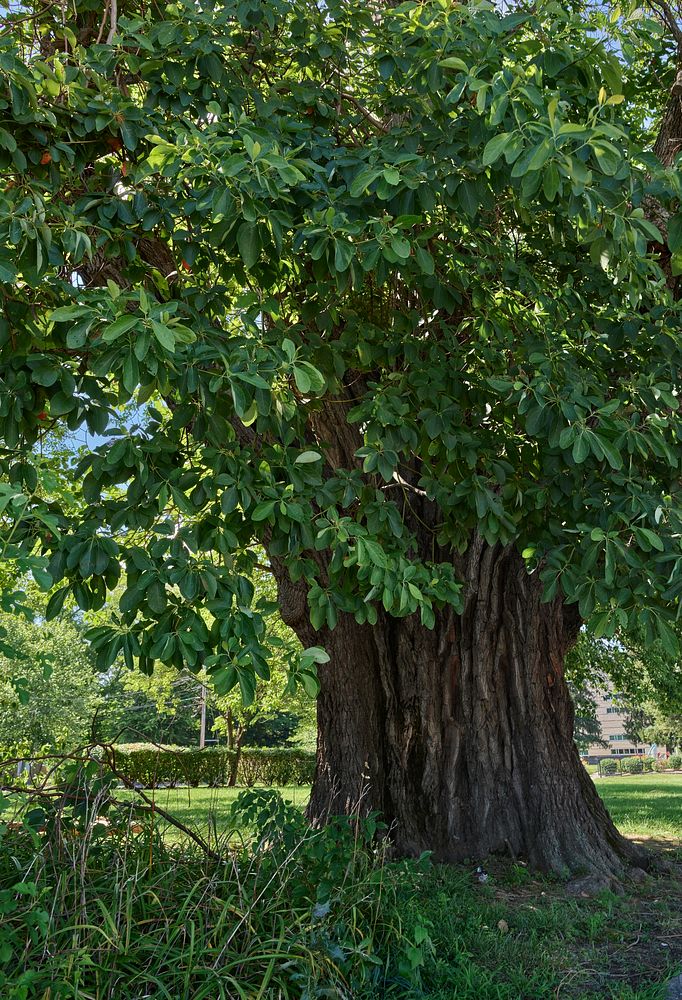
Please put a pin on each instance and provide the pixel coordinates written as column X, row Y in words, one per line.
column 462, row 737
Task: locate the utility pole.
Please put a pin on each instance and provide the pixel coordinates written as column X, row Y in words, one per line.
column 202, row 728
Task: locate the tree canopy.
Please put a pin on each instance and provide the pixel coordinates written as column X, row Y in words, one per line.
column 377, row 277
column 49, row 691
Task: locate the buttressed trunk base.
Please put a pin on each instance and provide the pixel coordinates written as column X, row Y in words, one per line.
column 462, row 736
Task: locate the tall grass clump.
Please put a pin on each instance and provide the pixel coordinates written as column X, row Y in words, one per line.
column 96, row 905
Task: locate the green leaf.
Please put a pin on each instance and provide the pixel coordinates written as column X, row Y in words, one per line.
column 363, row 179
column 156, row 597
column 613, row 456
column 164, row 335
column 551, row 181
column 494, row 148
column 542, row 153
column 311, row 684
column 608, row 157
column 652, row 538
column 453, row 62
column 263, row 510
column 400, row 247
column 675, row 233
column 581, row 448
column 65, row 313
column 42, row 578
column 306, row 457
column 343, row 255
column 314, row 377
column 651, row 231
column 248, row 243
column 303, row 383
column 61, row 404
column 316, row 654
column 56, row 603
column 247, row 686
column 424, row 260
column 467, row 195
column 8, row 272
column 120, row 326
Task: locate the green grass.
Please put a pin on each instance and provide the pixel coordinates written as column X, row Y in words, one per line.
column 206, row 810
column 645, row 805
column 613, row 948
column 550, row 945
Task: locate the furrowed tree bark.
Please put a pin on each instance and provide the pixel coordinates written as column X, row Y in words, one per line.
column 462, row 736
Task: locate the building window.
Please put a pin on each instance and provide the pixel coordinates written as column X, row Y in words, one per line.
column 617, row 737
column 607, row 697
column 614, row 711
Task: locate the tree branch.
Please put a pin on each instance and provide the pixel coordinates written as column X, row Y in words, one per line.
column 669, row 19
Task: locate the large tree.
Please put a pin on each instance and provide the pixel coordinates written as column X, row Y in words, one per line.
column 394, row 289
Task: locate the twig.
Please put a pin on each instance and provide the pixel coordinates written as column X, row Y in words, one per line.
column 114, row 21
column 103, row 22
column 84, row 755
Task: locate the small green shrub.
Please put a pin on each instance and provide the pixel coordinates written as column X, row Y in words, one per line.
column 648, row 764
column 661, row 765
column 632, row 765
column 609, row 766
column 675, row 761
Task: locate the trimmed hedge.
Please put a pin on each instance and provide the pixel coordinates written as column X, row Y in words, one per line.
column 275, row 766
column 150, row 765
column 675, row 761
column 632, row 765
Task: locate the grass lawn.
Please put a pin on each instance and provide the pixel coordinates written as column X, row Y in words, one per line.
column 520, row 936
column 645, row 805
column 206, row 810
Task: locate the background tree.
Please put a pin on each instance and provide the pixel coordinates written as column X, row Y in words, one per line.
column 49, row 690
column 648, row 723
column 645, row 677
column 388, row 280
column 162, row 708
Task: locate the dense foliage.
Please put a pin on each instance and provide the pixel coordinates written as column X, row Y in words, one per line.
column 353, row 263
column 312, row 914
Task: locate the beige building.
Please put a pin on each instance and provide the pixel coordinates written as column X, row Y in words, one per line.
column 611, row 718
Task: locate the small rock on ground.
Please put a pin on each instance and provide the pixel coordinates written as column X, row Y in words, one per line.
column 592, row 885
